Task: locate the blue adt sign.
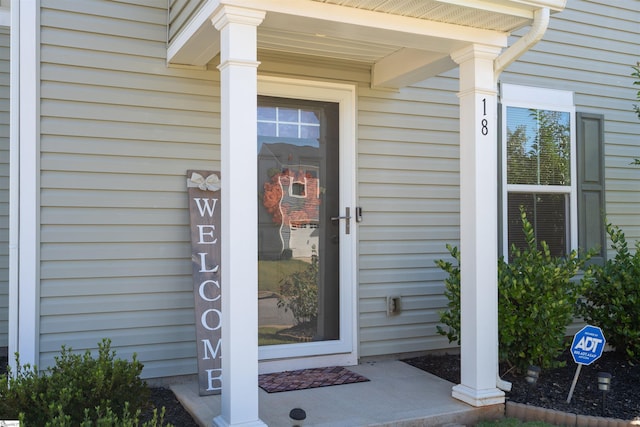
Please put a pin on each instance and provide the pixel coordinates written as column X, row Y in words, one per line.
column 587, row 345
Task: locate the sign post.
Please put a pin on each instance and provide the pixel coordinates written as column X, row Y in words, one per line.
column 204, row 212
column 586, row 348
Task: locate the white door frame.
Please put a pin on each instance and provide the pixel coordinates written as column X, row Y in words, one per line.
column 343, row 351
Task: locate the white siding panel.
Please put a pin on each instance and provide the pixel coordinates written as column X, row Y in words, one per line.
column 180, row 11
column 119, row 131
column 80, row 232
column 104, row 43
column 173, row 225
column 125, row 130
column 70, row 306
column 107, row 199
column 131, row 96
column 135, row 12
column 89, row 110
column 115, row 286
column 110, row 26
column 159, row 359
column 408, row 187
column 113, row 71
column 376, row 290
column 113, row 251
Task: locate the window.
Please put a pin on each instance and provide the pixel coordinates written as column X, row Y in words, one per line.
column 539, row 167
column 288, row 122
column 299, row 189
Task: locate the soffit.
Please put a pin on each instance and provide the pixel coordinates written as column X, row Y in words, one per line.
column 376, row 32
column 490, row 17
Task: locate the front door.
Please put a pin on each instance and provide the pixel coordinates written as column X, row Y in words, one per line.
column 305, row 230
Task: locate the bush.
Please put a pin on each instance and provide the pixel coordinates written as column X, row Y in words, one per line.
column 612, row 299
column 78, row 390
column 108, row 419
column 299, row 292
column 537, row 299
column 451, row 317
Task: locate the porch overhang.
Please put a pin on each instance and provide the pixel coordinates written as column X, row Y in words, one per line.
column 403, row 43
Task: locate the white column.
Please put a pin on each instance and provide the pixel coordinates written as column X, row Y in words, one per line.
column 478, row 227
column 239, row 258
column 24, row 253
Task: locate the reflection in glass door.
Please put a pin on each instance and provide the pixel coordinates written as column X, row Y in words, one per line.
column 298, row 243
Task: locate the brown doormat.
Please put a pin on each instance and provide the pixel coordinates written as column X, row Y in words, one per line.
column 308, row 378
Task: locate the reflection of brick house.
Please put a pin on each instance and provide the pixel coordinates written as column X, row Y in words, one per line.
column 299, row 208
column 290, row 210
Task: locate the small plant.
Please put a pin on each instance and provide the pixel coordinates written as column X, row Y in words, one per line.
column 612, row 299
column 299, row 292
column 451, row 317
column 78, row 391
column 536, row 301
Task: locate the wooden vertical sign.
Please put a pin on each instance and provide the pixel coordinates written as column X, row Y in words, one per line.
column 204, row 213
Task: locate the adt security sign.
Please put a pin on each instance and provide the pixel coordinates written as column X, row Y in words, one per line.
column 587, row 345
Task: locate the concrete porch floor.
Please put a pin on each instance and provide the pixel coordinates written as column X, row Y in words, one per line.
column 397, row 395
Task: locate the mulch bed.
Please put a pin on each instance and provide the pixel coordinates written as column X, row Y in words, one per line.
column 175, row 413
column 552, row 388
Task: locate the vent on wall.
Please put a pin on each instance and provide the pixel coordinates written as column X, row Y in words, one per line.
column 394, row 305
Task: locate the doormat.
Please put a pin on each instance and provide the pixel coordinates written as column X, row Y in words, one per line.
column 308, row 378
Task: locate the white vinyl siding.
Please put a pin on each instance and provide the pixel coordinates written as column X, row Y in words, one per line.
column 408, row 169
column 120, row 129
column 180, row 12
column 118, row 132
column 589, row 49
column 4, row 188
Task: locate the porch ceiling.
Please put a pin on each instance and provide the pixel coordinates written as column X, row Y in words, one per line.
column 404, row 41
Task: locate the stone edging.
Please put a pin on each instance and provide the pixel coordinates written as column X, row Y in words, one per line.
column 551, row 416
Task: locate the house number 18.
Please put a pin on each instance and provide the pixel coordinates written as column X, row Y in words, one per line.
column 484, row 122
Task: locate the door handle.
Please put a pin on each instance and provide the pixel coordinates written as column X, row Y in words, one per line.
column 347, row 220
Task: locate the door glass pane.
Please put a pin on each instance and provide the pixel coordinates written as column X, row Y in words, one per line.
column 298, row 244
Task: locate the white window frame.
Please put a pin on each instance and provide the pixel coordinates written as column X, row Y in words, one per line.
column 540, row 99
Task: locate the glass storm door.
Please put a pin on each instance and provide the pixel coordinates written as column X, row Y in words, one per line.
column 298, row 241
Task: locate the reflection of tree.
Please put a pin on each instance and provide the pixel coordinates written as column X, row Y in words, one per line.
column 519, row 162
column 272, row 196
column 541, row 155
column 287, row 210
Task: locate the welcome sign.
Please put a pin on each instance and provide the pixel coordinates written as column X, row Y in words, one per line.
column 204, row 214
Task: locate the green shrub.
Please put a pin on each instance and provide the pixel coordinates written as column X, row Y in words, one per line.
column 78, row 390
column 108, row 419
column 451, row 317
column 536, row 301
column 612, row 299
